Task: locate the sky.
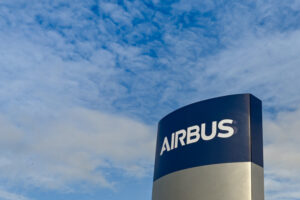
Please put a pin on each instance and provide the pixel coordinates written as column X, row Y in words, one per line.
column 84, row 83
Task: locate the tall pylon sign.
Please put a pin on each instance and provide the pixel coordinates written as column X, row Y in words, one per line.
column 211, row 150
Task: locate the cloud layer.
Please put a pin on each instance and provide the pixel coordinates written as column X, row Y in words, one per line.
column 282, row 158
column 76, row 145
column 11, row 196
column 266, row 66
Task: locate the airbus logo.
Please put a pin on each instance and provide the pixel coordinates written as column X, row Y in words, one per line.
column 221, row 129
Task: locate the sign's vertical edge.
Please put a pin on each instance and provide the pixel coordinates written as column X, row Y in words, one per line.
column 156, row 149
column 257, row 164
column 249, row 114
column 256, row 131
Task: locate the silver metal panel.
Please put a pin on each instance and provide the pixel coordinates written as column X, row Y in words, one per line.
column 230, row 181
column 257, row 182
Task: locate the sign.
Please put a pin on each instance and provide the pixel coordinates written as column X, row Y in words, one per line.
column 220, row 137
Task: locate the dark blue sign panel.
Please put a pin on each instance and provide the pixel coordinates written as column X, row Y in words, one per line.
column 220, row 130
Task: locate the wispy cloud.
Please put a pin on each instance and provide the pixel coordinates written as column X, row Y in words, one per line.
column 267, row 67
column 282, row 156
column 75, row 145
column 49, row 86
column 11, row 196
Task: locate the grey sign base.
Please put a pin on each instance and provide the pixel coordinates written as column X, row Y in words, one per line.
column 230, row 181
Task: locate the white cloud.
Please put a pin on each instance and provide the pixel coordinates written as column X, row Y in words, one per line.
column 282, row 157
column 76, row 146
column 266, row 66
column 194, row 4
column 116, row 12
column 4, row 195
column 48, row 136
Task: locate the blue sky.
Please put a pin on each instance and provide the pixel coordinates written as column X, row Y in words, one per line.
column 84, row 83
